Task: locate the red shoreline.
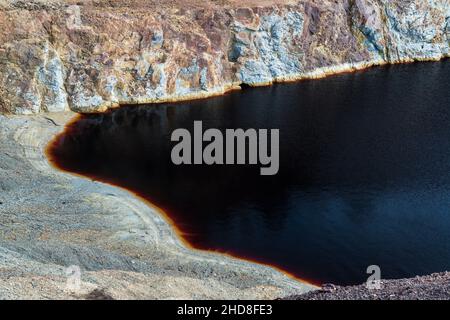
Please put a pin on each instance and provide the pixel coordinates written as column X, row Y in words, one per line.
column 181, row 235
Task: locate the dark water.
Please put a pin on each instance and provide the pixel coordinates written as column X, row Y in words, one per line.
column 364, row 172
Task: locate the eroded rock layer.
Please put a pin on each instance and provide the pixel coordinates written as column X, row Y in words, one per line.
column 88, row 56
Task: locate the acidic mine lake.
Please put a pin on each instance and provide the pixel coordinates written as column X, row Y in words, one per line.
column 364, row 172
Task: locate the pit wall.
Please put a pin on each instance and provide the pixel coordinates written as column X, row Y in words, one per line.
column 89, row 59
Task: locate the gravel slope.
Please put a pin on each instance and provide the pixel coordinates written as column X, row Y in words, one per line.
column 431, row 287
column 50, row 220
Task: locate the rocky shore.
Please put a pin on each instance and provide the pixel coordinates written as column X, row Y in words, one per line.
column 431, row 287
column 50, row 220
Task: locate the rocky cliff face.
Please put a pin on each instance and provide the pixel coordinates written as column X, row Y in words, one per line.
column 94, row 55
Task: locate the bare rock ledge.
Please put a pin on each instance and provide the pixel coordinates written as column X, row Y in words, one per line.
column 91, row 55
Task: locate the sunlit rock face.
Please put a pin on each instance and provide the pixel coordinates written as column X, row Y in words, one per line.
column 91, row 56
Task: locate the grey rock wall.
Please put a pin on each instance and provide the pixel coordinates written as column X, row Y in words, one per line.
column 88, row 58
